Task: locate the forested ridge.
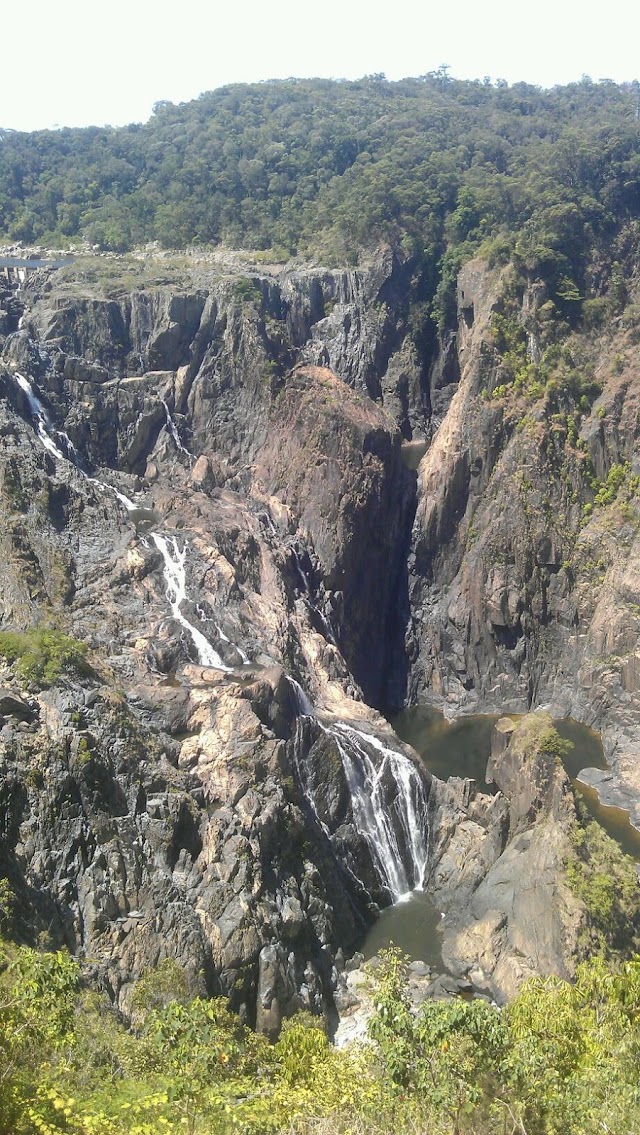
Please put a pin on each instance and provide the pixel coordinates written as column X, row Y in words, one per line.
column 320, row 167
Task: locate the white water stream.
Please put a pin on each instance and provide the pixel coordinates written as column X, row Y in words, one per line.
column 173, row 557
column 396, row 832
column 172, row 430
column 388, row 796
column 303, row 703
column 307, row 591
column 388, row 801
column 175, row 578
column 44, row 429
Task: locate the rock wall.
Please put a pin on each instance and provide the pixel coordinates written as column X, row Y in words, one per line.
column 158, row 807
column 498, row 864
column 520, row 588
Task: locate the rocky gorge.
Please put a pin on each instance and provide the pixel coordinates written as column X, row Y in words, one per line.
column 206, row 483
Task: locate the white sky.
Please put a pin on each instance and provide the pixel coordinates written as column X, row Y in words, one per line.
column 76, row 62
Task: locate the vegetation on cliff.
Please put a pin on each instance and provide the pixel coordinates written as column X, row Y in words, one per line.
column 606, row 881
column 561, row 1058
column 42, row 654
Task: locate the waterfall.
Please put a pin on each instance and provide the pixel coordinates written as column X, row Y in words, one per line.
column 44, row 428
column 221, row 635
column 102, row 485
column 388, row 800
column 305, row 708
column 174, row 559
column 306, row 591
column 395, row 832
column 302, row 575
column 175, row 577
column 173, row 432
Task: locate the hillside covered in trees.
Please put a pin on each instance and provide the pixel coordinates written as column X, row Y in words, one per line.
column 439, row 167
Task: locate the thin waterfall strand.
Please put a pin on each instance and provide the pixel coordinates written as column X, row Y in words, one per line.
column 305, row 708
column 175, row 577
column 44, row 429
column 172, row 430
column 174, row 559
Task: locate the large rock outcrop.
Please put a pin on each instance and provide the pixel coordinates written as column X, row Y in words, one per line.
column 521, row 589
column 499, row 864
column 160, row 807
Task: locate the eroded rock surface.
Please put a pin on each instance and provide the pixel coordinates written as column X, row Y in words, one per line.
column 500, row 879
column 249, row 427
column 522, row 593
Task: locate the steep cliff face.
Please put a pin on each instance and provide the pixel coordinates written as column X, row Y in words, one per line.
column 207, row 519
column 216, row 359
column 524, row 548
column 499, row 874
column 206, row 485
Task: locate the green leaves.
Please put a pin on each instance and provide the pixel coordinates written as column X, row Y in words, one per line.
column 605, row 880
column 42, row 654
column 562, row 1058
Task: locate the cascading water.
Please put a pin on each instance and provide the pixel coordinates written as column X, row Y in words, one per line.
column 44, row 428
column 173, row 558
column 303, row 703
column 306, row 591
column 124, row 500
column 388, row 800
column 45, row 431
column 175, row 577
column 388, row 796
column 173, row 432
column 395, row 833
column 221, row 635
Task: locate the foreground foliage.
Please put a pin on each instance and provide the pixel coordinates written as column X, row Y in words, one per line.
column 561, row 1058
column 606, row 881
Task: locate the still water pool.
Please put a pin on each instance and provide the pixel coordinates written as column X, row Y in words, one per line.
column 462, row 748
column 414, row 924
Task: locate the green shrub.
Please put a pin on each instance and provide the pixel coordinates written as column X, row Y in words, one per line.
column 42, row 655
column 605, row 880
column 561, row 1058
column 246, row 291
column 608, row 490
column 594, row 313
column 7, row 903
column 159, row 986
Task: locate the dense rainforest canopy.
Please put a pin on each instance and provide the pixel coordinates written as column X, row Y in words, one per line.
column 435, row 165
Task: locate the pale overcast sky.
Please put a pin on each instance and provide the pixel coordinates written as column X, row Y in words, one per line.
column 76, row 62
